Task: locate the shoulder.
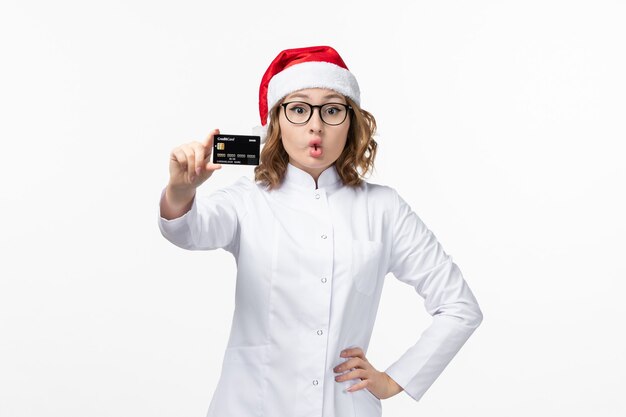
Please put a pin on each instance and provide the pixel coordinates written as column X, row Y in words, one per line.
column 382, row 200
column 381, row 193
column 388, row 199
column 239, row 193
column 241, row 186
column 396, row 211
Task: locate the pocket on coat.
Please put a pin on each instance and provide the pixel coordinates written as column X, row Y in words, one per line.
column 238, row 392
column 364, row 268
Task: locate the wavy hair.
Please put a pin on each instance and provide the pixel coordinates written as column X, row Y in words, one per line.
column 358, row 154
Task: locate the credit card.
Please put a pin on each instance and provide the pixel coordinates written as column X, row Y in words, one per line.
column 236, row 149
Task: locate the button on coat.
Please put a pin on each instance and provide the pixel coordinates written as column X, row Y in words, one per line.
column 311, row 264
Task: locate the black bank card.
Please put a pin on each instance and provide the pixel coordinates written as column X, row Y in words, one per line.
column 236, row 149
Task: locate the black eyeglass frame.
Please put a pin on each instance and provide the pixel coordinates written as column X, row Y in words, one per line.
column 347, row 107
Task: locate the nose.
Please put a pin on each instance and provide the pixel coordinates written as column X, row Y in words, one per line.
column 315, row 122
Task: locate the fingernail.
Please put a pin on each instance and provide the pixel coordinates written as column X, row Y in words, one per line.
column 198, row 170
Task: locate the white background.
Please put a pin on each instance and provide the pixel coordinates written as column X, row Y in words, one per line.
column 501, row 123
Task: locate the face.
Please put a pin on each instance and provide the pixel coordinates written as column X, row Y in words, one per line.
column 313, row 146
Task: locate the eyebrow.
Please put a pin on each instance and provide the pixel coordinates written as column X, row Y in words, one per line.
column 332, row 95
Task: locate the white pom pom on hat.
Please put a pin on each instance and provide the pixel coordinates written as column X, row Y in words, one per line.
column 299, row 68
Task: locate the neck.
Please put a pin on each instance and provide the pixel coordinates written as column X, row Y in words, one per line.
column 313, row 172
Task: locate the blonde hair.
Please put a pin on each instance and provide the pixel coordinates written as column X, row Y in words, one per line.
column 358, row 154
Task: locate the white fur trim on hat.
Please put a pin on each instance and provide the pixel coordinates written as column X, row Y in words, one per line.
column 260, row 131
column 312, row 75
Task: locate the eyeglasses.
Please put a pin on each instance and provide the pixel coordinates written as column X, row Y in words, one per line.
column 299, row 112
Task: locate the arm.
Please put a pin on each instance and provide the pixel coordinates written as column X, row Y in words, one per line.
column 418, row 259
column 193, row 222
column 176, row 203
column 210, row 222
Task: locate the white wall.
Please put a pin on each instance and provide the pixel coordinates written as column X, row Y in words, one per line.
column 501, row 123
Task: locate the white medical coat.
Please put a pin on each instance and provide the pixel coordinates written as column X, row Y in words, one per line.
column 311, row 263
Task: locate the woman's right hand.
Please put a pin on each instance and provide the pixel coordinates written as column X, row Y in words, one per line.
column 190, row 164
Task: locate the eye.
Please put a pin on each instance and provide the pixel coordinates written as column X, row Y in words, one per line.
column 333, row 110
column 298, row 108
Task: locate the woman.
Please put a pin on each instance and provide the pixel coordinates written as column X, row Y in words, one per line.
column 313, row 243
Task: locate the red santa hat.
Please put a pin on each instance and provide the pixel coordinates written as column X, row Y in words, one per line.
column 299, row 68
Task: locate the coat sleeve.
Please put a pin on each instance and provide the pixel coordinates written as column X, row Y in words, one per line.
column 418, row 259
column 212, row 222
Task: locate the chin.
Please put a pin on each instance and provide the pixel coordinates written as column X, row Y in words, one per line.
column 310, row 162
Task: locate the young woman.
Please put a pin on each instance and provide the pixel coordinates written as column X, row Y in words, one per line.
column 313, row 243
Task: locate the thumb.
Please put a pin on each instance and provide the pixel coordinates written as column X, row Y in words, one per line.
column 210, row 166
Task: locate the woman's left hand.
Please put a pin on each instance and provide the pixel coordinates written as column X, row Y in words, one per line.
column 378, row 383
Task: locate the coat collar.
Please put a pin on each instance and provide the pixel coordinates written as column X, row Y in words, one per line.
column 299, row 179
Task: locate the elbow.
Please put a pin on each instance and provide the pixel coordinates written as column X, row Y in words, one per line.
column 468, row 315
column 474, row 317
column 479, row 318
